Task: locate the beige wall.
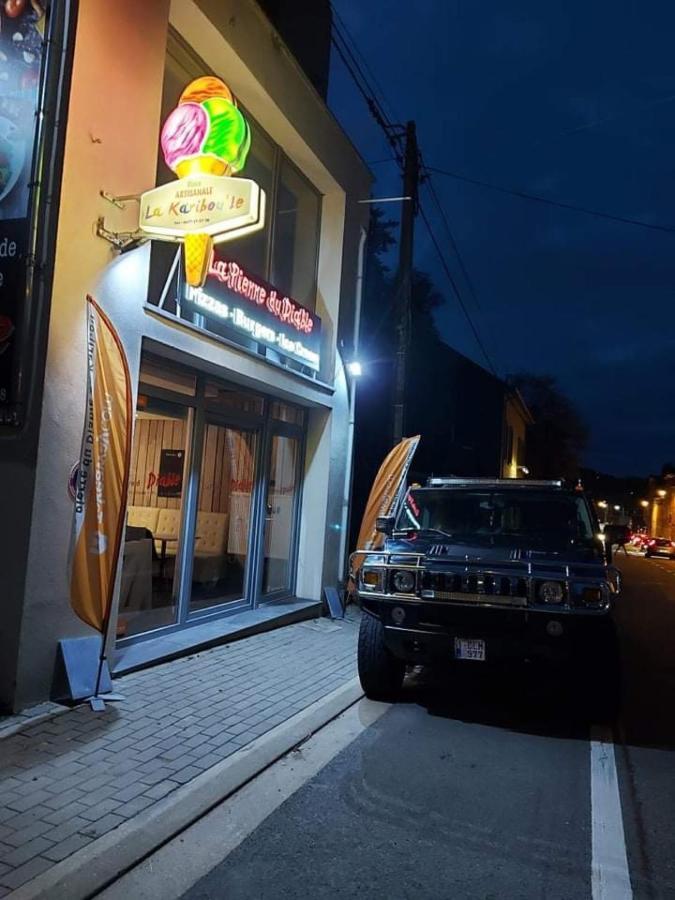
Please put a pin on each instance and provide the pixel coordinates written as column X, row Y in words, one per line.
column 112, row 145
column 514, row 419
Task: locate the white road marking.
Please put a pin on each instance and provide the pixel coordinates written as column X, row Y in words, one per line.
column 610, row 878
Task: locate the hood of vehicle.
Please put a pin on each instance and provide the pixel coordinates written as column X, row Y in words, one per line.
column 487, row 551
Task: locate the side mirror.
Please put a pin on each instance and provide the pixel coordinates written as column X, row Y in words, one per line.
column 385, row 524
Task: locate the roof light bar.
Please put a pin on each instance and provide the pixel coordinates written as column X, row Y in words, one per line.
column 450, row 481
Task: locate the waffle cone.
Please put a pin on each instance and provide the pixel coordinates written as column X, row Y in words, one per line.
column 197, row 252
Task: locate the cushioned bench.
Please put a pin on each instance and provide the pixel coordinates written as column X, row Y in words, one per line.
column 210, row 546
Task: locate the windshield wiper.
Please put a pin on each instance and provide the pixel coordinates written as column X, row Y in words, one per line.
column 426, row 531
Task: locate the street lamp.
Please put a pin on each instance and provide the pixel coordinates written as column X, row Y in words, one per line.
column 662, row 493
column 644, row 503
column 355, row 368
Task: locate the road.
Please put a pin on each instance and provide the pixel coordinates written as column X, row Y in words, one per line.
column 478, row 788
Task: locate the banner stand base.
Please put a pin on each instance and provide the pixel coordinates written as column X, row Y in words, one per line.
column 98, row 703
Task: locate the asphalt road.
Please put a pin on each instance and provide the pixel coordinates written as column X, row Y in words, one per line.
column 487, row 787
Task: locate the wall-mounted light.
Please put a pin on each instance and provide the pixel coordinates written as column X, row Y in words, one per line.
column 617, row 507
column 355, row 368
column 603, row 504
column 644, row 503
column 662, row 493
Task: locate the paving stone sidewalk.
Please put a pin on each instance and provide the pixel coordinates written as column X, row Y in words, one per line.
column 68, row 780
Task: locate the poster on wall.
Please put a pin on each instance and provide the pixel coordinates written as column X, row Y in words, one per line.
column 170, row 478
column 22, row 32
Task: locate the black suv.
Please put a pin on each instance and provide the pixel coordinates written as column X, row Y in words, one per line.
column 483, row 570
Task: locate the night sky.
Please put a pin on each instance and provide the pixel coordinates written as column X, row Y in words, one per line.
column 573, row 101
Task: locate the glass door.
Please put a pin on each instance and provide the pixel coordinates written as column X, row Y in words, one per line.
column 280, row 506
column 222, row 526
column 159, row 454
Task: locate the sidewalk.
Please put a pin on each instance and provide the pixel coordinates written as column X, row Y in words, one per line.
column 69, row 780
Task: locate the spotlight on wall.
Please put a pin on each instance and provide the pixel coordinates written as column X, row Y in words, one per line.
column 354, row 368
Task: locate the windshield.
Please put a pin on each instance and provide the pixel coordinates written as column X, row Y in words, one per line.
column 538, row 518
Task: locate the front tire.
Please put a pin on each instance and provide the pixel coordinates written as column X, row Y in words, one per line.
column 380, row 672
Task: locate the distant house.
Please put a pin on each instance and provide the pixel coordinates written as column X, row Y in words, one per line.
column 517, row 419
column 471, row 422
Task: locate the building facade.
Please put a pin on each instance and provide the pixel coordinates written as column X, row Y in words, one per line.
column 517, row 419
column 240, row 473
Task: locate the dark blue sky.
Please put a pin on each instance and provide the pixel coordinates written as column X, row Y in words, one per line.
column 567, row 99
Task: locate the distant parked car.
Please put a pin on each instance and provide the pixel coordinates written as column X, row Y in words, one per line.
column 640, row 541
column 660, row 547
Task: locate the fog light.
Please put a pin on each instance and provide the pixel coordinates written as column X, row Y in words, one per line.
column 555, row 629
column 398, row 615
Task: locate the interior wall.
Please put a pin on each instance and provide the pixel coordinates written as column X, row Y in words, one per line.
column 152, row 435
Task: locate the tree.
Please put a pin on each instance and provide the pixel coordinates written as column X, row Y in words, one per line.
column 559, row 435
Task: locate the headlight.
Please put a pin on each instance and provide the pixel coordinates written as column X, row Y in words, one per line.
column 551, row 592
column 404, row 582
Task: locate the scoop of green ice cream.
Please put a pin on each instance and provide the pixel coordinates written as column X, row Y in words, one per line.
column 228, row 136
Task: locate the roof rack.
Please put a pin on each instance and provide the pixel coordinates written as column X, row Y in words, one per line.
column 452, row 481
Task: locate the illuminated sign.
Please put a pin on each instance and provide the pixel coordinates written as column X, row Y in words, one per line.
column 250, row 306
column 205, row 204
column 205, row 141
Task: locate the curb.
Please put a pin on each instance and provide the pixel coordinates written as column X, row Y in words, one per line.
column 98, row 864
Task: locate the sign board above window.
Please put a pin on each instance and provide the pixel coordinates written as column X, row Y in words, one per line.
column 232, row 299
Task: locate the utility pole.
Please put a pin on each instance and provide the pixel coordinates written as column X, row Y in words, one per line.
column 404, row 280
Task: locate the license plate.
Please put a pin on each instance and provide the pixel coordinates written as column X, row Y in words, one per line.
column 469, row 649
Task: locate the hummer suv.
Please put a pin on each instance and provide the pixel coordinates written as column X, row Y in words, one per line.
column 484, row 570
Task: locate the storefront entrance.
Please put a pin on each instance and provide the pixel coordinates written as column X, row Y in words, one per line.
column 213, row 501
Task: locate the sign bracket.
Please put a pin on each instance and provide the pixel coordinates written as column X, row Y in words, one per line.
column 121, row 240
column 121, row 200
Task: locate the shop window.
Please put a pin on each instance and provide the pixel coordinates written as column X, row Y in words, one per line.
column 283, row 253
column 161, row 439
column 251, row 251
column 176, row 380
column 224, row 397
column 284, row 412
column 296, row 236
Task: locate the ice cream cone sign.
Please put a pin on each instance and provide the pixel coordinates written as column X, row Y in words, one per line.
column 205, row 141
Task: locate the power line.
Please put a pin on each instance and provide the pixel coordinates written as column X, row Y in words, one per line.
column 455, row 288
column 524, row 195
column 366, row 66
column 394, row 135
column 453, row 243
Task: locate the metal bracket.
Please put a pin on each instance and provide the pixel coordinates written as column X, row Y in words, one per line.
column 121, row 240
column 121, row 200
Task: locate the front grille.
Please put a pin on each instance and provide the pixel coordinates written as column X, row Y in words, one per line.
column 478, row 587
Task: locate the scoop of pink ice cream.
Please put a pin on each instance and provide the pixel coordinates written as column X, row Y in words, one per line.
column 183, row 133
